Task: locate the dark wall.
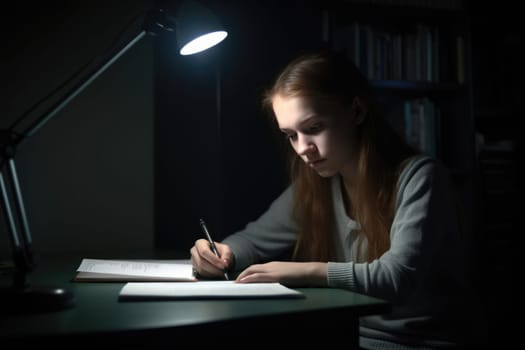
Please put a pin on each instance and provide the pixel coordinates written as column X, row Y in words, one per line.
column 228, row 176
column 87, row 175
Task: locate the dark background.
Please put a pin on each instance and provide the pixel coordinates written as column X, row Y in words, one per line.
column 132, row 163
column 142, row 153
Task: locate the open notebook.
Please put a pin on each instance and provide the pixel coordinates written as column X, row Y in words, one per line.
column 108, row 270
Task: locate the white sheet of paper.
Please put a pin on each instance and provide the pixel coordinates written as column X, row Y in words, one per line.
column 206, row 289
column 148, row 269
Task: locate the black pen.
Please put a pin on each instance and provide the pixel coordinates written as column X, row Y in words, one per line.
column 212, row 244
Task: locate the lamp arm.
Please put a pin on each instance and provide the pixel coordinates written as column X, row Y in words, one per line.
column 57, row 107
column 15, row 215
column 23, row 255
column 23, row 297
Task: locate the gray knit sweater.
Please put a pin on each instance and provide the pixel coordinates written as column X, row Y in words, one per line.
column 422, row 274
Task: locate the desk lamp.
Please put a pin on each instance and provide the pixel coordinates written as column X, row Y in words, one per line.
column 196, row 29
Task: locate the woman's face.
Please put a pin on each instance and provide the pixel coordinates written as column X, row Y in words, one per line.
column 321, row 133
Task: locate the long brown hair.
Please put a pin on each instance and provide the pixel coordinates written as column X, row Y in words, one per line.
column 380, row 156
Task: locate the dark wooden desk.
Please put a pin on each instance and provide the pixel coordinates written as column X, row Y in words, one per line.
column 98, row 316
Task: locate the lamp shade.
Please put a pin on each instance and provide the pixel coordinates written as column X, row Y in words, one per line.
column 197, row 28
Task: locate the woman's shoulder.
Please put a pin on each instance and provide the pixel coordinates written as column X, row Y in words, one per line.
column 420, row 168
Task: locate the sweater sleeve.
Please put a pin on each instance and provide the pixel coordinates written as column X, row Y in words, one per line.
column 270, row 237
column 422, row 220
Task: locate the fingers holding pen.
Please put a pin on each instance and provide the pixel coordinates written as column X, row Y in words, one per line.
column 223, row 261
column 206, row 263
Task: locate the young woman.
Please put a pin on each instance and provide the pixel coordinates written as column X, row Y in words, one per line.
column 363, row 212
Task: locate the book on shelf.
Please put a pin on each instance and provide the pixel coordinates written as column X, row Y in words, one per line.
column 393, row 54
column 421, row 119
column 109, row 270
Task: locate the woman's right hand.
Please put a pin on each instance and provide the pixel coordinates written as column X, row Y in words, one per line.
column 206, row 263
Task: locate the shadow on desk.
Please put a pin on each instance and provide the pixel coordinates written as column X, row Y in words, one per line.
column 265, row 330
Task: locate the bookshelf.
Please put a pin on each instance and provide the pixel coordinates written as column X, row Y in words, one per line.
column 416, row 55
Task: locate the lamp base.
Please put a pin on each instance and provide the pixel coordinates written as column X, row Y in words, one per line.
column 32, row 299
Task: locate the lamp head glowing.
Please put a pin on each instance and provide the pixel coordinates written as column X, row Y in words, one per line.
column 197, row 28
column 203, row 42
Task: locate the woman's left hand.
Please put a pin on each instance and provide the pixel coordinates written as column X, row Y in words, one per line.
column 305, row 274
